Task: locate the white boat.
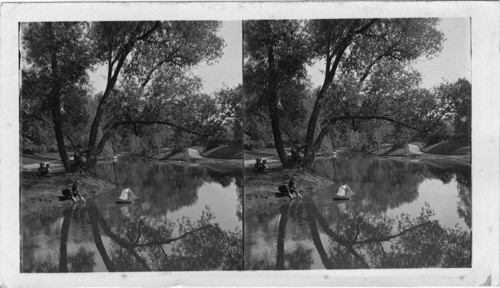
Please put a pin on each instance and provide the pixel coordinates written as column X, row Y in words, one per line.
column 344, row 193
column 127, row 197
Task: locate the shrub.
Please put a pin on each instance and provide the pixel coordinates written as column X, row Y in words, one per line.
column 438, row 135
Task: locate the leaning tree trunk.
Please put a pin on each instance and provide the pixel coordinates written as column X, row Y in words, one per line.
column 55, row 102
column 331, row 69
column 93, row 149
column 278, row 141
column 272, row 101
column 93, row 154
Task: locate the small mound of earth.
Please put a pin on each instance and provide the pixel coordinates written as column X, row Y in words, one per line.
column 260, row 188
column 225, row 152
column 40, row 195
column 448, row 148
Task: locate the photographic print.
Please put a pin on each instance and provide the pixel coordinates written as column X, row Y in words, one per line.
column 264, row 144
column 131, row 146
column 358, row 147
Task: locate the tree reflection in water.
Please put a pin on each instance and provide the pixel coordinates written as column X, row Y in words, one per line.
column 385, row 183
column 365, row 241
column 136, row 245
column 353, row 235
column 143, row 237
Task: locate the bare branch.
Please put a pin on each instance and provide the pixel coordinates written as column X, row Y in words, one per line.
column 387, row 238
column 150, row 31
column 386, row 118
column 168, row 241
column 366, row 26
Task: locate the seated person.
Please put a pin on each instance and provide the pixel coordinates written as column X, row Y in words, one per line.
column 44, row 170
column 256, row 166
column 292, row 188
column 288, row 189
column 283, row 188
column 72, row 192
column 41, row 170
column 265, row 167
column 260, row 166
column 48, row 170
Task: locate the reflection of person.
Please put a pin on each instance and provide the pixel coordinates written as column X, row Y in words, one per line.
column 72, row 192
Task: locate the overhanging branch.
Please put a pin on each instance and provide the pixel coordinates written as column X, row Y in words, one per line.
column 387, row 238
column 168, row 241
column 386, row 118
column 161, row 122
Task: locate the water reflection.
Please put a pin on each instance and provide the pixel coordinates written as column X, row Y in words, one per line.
column 189, row 218
column 408, row 215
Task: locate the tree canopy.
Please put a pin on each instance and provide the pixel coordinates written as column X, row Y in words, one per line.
column 148, row 81
column 367, row 73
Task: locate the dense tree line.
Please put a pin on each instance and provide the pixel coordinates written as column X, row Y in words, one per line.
column 149, row 91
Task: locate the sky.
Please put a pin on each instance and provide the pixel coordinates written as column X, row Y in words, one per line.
column 227, row 71
column 452, row 63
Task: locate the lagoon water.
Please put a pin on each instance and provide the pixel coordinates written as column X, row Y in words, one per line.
column 407, row 214
column 188, row 218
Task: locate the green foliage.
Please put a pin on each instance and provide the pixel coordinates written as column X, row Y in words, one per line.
column 135, row 144
column 215, row 142
column 457, row 97
column 172, row 112
column 230, row 111
column 56, row 59
column 148, row 79
column 274, row 78
column 83, row 261
column 68, row 41
column 437, row 135
column 366, row 77
column 354, row 140
column 288, row 41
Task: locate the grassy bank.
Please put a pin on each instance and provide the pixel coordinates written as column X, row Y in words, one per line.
column 225, row 152
column 40, row 195
column 230, row 154
column 444, row 151
column 260, row 188
column 448, row 148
